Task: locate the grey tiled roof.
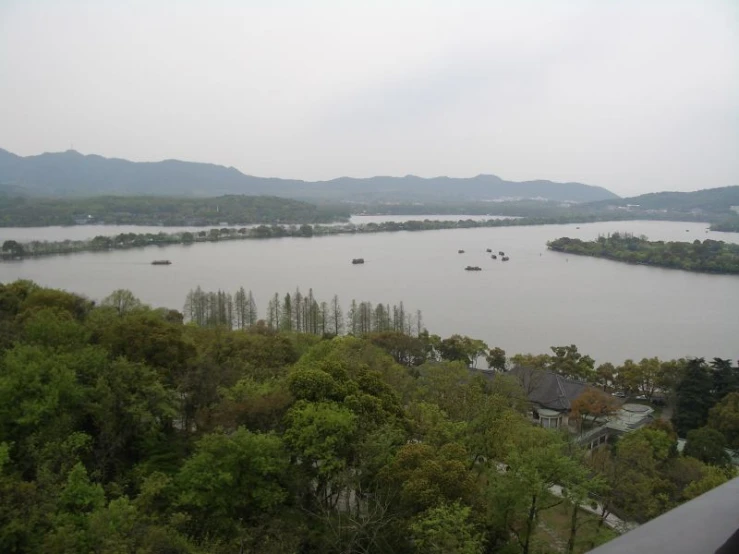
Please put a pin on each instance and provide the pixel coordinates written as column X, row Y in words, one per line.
column 548, row 389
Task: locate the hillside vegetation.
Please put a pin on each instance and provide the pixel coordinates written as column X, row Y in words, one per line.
column 707, row 202
column 152, row 210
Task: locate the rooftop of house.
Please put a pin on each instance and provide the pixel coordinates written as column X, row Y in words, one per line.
column 549, row 390
column 630, row 417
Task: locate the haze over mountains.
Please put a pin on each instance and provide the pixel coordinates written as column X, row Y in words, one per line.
column 73, row 174
column 713, row 200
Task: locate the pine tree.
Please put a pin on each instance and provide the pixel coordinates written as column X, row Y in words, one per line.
column 352, row 317
column 297, row 311
column 694, row 397
column 240, row 308
column 287, row 313
column 337, row 317
column 250, row 314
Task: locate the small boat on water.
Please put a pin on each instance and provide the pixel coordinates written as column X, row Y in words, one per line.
column 505, row 258
column 501, row 253
column 161, row 262
column 472, row 268
column 489, row 250
column 460, row 251
column 494, row 257
column 356, row 261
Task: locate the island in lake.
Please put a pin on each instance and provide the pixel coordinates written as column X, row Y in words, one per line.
column 709, row 256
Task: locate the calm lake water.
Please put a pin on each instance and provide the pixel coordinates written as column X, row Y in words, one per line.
column 610, row 310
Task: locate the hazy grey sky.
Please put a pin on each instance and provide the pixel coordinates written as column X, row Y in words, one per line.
column 636, row 96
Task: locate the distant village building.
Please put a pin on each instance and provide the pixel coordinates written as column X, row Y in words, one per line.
column 84, row 219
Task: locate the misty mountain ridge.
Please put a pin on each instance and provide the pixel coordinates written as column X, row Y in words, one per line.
column 715, row 200
column 71, row 173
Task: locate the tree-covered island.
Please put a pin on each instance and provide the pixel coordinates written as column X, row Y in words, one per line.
column 709, row 256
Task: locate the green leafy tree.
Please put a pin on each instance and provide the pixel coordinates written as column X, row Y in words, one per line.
column 569, row 362
column 605, row 375
column 452, row 387
column 693, row 397
column 132, row 413
column 54, row 329
column 724, row 417
column 405, row 350
column 642, row 377
column 321, row 436
column 707, row 445
column 40, row 400
column 579, row 492
column 13, row 248
column 78, row 498
column 147, row 338
column 531, row 361
column 429, row 477
column 446, row 529
column 39, row 298
column 239, row 477
column 496, row 359
column 458, row 348
column 725, row 378
column 535, row 463
column 639, row 489
column 122, row 300
column 712, row 477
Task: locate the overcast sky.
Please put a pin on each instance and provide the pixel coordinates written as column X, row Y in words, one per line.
column 634, row 96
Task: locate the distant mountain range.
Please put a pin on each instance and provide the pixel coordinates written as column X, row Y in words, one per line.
column 714, row 201
column 70, row 173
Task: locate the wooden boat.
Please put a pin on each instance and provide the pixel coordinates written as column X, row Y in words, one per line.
column 460, row 251
column 472, row 268
column 161, row 262
column 489, row 250
column 501, row 253
column 505, row 258
column 494, row 257
column 356, row 261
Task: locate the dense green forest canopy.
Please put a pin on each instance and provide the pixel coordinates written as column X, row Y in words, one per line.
column 710, row 256
column 123, row 429
column 18, row 211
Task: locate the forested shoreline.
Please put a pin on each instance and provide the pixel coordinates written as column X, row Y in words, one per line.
column 709, row 256
column 728, row 225
column 12, row 249
column 125, row 429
